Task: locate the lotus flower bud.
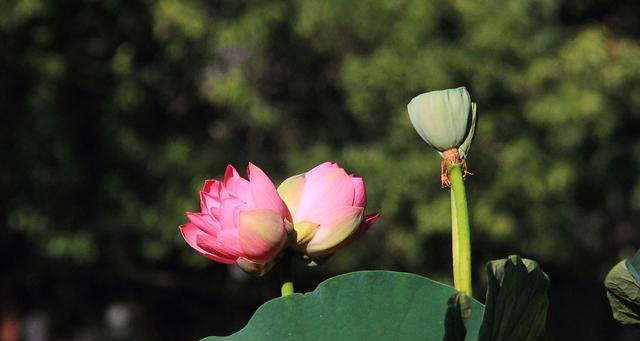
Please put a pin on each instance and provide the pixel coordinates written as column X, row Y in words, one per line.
column 327, row 207
column 446, row 120
column 241, row 221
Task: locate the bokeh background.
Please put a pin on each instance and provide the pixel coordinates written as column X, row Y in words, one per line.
column 114, row 112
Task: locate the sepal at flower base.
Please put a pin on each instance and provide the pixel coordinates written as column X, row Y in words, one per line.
column 466, row 144
column 252, row 268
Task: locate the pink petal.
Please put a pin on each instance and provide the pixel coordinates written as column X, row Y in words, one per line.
column 212, row 186
column 262, row 234
column 204, row 222
column 224, row 194
column 227, row 213
column 230, row 241
column 324, row 192
column 190, row 234
column 236, row 186
column 369, row 220
column 322, row 167
column 241, row 189
column 264, row 192
column 230, row 173
column 207, row 201
column 226, row 246
column 365, row 225
column 360, row 196
column 335, row 228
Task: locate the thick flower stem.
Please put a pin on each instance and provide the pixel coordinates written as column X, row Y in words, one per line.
column 460, row 232
column 286, row 288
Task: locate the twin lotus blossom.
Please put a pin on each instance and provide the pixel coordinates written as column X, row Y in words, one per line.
column 241, row 221
column 248, row 222
column 327, row 206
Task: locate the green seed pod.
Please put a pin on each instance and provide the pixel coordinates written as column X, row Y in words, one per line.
column 445, row 119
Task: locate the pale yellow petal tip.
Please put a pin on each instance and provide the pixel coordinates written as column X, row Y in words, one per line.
column 324, row 243
column 305, row 230
column 290, row 190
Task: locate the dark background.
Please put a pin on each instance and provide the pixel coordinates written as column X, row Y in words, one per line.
column 112, row 113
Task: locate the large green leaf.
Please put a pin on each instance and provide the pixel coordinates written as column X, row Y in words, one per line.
column 366, row 305
column 623, row 290
column 517, row 301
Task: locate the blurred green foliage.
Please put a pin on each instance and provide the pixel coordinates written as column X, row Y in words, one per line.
column 114, row 112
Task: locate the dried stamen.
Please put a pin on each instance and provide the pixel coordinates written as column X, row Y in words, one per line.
column 451, row 157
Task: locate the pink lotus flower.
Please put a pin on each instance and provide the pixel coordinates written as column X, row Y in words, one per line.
column 243, row 222
column 327, row 206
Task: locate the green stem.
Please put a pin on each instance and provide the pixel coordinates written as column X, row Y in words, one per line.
column 286, row 278
column 287, row 288
column 460, row 232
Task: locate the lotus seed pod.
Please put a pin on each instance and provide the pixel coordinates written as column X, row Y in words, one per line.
column 445, row 119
